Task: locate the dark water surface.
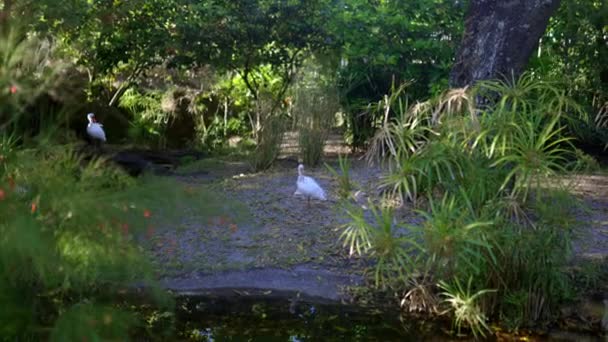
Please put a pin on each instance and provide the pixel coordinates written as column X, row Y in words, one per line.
column 280, row 319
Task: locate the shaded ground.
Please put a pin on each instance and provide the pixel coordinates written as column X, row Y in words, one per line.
column 278, row 242
column 290, row 245
column 592, row 241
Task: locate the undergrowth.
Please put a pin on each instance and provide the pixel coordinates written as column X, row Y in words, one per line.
column 481, row 178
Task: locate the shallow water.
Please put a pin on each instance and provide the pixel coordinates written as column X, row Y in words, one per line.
column 280, row 319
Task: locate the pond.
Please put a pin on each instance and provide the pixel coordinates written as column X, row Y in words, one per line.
column 243, row 318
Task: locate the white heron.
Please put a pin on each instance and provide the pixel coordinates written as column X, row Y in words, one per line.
column 308, row 187
column 95, row 129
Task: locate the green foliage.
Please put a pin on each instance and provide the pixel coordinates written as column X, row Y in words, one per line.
column 573, row 51
column 456, row 239
column 357, row 233
column 390, row 42
column 345, row 184
column 394, row 251
column 269, row 142
column 314, row 111
column 494, row 215
column 27, row 70
column 69, row 228
column 464, row 305
column 149, row 120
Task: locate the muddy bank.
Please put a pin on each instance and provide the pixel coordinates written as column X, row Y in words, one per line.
column 303, row 281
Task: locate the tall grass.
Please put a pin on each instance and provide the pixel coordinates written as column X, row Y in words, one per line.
column 269, row 141
column 314, row 111
column 345, row 183
column 28, row 68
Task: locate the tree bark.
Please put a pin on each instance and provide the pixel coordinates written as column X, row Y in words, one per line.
column 499, row 37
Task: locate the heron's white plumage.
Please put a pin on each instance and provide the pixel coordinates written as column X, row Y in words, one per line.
column 95, row 129
column 307, row 186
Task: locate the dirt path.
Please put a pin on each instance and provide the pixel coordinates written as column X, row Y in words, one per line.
column 280, row 243
column 592, row 239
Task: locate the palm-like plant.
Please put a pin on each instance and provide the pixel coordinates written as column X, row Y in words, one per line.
column 536, row 152
column 464, row 305
column 394, row 251
column 345, row 184
column 456, row 237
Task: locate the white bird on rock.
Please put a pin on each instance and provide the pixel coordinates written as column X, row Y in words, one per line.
column 308, row 187
column 95, row 129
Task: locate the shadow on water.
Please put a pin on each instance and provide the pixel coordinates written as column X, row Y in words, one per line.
column 279, row 319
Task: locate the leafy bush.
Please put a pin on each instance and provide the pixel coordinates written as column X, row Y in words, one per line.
column 69, row 228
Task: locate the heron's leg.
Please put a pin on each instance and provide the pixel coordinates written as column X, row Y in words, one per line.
column 309, row 201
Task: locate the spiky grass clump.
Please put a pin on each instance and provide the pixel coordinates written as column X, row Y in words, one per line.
column 345, row 184
column 484, row 157
column 314, row 111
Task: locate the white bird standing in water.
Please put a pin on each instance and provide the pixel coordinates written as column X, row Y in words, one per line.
column 95, row 129
column 308, row 187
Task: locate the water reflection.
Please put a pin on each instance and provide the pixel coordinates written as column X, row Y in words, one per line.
column 255, row 319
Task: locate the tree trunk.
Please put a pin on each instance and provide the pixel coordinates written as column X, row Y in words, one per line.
column 499, row 37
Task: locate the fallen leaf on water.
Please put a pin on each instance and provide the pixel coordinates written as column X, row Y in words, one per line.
column 147, row 213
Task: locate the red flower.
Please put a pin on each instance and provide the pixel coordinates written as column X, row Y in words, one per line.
column 2, row 194
column 147, row 213
column 13, row 89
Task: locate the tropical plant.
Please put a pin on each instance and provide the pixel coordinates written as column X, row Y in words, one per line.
column 465, row 307
column 269, row 141
column 345, row 184
column 391, row 247
column 27, row 70
column 314, row 111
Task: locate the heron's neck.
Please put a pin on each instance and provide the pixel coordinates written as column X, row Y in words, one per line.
column 300, row 172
